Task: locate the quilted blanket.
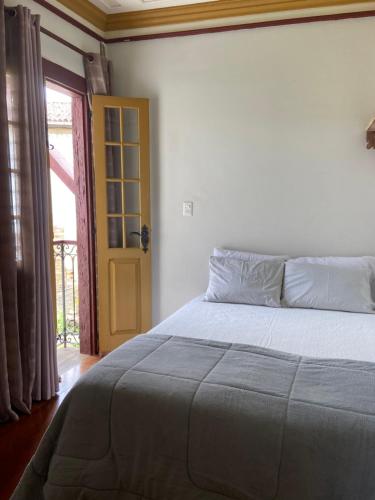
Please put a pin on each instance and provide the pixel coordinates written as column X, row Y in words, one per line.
column 171, row 418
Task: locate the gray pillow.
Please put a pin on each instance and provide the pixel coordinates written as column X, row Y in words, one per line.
column 241, row 282
column 249, row 256
column 336, row 287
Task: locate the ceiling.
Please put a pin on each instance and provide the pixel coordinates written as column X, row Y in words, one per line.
column 115, row 6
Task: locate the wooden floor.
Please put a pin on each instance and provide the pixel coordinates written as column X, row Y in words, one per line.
column 19, row 440
column 68, row 358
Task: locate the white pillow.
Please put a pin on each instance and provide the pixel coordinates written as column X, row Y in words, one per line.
column 313, row 285
column 243, row 282
column 249, row 256
column 353, row 262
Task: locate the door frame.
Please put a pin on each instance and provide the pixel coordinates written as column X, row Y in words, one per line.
column 86, row 248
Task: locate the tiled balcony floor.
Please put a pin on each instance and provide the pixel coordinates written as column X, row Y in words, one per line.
column 68, row 358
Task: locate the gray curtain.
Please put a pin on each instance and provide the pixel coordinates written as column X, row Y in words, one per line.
column 28, row 369
column 98, row 73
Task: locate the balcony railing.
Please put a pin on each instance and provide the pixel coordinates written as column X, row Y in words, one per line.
column 66, row 273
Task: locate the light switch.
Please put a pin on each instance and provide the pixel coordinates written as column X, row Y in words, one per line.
column 187, row 209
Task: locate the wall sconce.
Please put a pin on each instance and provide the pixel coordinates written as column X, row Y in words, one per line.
column 370, row 135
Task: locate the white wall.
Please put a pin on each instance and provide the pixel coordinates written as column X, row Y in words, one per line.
column 55, row 51
column 262, row 129
column 265, row 131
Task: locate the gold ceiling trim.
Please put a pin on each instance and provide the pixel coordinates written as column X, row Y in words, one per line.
column 191, row 12
column 87, row 11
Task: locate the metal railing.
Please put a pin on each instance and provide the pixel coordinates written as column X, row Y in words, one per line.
column 66, row 274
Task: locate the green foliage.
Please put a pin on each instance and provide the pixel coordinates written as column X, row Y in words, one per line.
column 72, row 335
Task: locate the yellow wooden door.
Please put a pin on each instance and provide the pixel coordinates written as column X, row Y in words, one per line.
column 123, row 232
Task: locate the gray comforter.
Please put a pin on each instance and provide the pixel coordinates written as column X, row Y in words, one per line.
column 171, row 418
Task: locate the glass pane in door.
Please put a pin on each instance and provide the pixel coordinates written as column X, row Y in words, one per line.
column 112, row 125
column 131, row 125
column 133, row 224
column 115, row 239
column 113, row 162
column 132, row 203
column 114, row 198
column 131, row 162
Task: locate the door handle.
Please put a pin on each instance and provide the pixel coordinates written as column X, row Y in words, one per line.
column 145, row 237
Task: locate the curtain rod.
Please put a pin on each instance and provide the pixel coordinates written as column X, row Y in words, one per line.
column 63, row 42
column 11, row 11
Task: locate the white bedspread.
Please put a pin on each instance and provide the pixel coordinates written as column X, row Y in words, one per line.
column 322, row 334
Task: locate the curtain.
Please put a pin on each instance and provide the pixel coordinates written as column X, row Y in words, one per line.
column 28, row 369
column 98, row 73
column 98, row 79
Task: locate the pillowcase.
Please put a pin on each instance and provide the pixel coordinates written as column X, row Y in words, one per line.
column 353, row 262
column 241, row 282
column 249, row 256
column 313, row 285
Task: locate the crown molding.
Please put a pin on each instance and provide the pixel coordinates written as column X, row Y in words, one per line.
column 87, row 11
column 192, row 12
column 287, row 21
column 211, row 10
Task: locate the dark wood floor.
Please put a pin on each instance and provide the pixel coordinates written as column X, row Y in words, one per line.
column 19, row 440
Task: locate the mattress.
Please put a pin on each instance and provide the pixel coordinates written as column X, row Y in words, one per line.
column 306, row 332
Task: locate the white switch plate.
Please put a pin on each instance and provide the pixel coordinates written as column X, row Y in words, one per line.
column 187, row 209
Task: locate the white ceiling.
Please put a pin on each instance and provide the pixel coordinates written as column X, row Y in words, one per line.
column 113, row 6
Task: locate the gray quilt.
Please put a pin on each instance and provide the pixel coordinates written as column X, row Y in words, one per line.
column 171, row 418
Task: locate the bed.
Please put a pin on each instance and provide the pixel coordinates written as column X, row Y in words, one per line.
column 220, row 401
column 305, row 332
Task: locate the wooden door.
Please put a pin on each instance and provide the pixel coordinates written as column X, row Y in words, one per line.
column 122, row 194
